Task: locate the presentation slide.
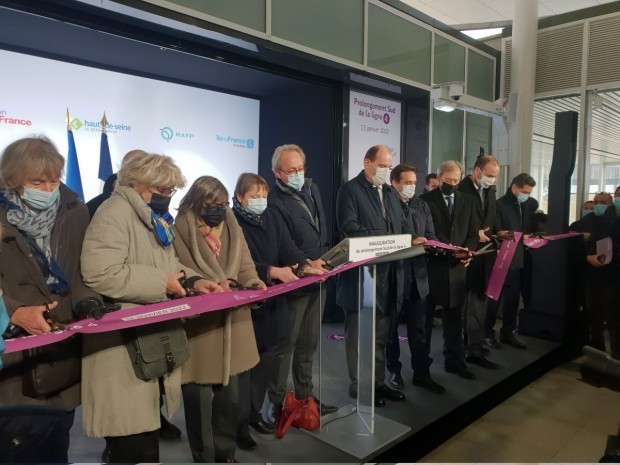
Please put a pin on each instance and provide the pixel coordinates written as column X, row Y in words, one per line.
column 205, row 132
column 372, row 120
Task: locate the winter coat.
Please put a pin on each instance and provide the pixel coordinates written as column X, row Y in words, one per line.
column 23, row 284
column 222, row 343
column 122, row 260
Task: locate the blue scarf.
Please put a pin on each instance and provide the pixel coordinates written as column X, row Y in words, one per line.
column 162, row 224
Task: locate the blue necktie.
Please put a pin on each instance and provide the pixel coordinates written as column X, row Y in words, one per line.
column 450, row 204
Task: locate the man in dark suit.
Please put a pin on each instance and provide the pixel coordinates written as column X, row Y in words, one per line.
column 480, row 184
column 512, row 215
column 298, row 201
column 454, row 219
column 417, row 309
column 368, row 206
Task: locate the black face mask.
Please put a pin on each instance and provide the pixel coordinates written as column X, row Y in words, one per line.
column 448, row 189
column 214, row 215
column 159, row 203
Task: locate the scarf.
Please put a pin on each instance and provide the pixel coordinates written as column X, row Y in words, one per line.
column 212, row 241
column 246, row 215
column 162, row 225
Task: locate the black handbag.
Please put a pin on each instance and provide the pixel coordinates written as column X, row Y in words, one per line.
column 52, row 368
column 157, row 349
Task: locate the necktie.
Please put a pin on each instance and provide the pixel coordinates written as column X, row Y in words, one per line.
column 450, row 204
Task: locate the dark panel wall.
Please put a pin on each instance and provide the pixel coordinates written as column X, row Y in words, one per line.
column 416, row 137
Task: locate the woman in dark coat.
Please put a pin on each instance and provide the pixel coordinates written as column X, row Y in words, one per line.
column 277, row 260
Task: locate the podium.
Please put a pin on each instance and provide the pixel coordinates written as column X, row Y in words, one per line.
column 356, row 428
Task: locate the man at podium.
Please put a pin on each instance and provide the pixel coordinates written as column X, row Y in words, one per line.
column 368, row 206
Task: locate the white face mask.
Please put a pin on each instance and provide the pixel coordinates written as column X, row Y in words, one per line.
column 486, row 181
column 257, row 206
column 408, row 192
column 381, row 176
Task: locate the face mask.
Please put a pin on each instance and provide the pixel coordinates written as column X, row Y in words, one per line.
column 159, row 203
column 617, row 202
column 296, row 181
column 522, row 197
column 599, row 210
column 38, row 199
column 257, row 206
column 214, row 215
column 381, row 176
column 585, row 212
column 408, row 192
column 486, row 181
column 447, row 189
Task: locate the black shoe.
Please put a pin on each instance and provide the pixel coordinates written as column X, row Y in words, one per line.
column 389, row 393
column 482, row 362
column 246, row 443
column 168, row 431
column 323, row 408
column 485, row 351
column 492, row 343
column 274, row 411
column 262, row 427
column 463, row 372
column 427, row 382
column 379, row 401
column 105, row 456
column 511, row 340
column 396, row 381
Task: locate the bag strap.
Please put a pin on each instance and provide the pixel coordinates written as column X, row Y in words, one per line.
column 283, row 427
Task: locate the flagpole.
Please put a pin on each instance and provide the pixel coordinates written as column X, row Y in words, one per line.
column 73, row 179
column 105, row 160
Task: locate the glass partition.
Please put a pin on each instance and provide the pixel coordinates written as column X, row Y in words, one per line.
column 449, row 61
column 248, row 13
column 480, row 76
column 447, row 137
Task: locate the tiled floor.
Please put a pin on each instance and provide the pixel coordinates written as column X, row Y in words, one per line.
column 555, row 419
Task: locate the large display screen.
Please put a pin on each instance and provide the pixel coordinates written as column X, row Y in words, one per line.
column 206, row 132
column 372, row 120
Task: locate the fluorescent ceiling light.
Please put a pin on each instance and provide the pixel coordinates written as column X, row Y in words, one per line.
column 443, row 106
column 480, row 34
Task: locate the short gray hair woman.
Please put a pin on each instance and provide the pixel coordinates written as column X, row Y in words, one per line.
column 43, row 224
column 128, row 257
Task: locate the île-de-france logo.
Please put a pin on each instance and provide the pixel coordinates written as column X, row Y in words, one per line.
column 167, row 133
column 241, row 142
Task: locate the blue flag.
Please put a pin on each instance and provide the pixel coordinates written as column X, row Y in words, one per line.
column 105, row 162
column 73, row 178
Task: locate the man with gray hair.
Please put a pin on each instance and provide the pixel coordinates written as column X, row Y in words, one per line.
column 454, row 218
column 298, row 201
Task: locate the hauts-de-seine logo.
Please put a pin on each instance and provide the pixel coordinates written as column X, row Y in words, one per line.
column 236, row 141
column 95, row 126
column 167, row 133
column 13, row 120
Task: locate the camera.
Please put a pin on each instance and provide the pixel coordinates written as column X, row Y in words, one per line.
column 455, row 91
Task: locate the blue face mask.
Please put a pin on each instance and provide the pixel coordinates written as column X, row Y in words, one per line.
column 38, row 199
column 617, row 202
column 522, row 197
column 296, row 181
column 585, row 212
column 599, row 210
column 4, row 322
column 257, row 206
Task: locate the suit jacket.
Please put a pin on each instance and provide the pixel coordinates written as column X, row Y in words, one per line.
column 447, row 273
column 359, row 213
column 479, row 269
column 513, row 216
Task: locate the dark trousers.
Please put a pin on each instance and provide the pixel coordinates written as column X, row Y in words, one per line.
column 511, row 293
column 476, row 313
column 135, row 448
column 453, row 320
column 211, row 419
column 598, row 298
column 30, row 433
column 419, row 320
column 252, row 390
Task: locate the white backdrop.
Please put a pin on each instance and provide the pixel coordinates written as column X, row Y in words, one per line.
column 372, row 120
column 206, row 132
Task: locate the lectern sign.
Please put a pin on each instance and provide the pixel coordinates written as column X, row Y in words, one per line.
column 361, row 248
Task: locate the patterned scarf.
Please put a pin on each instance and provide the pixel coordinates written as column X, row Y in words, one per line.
column 213, row 242
column 250, row 217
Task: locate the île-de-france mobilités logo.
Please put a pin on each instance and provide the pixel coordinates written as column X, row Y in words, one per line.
column 167, row 133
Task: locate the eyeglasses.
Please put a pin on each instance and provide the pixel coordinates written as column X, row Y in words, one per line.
column 167, row 191
column 294, row 171
column 219, row 204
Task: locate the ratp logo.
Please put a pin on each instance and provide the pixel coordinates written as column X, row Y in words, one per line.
column 166, row 133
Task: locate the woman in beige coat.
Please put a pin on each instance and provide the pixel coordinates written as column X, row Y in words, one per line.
column 222, row 344
column 128, row 257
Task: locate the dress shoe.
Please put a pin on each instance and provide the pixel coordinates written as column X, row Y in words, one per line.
column 463, row 372
column 485, row 351
column 246, row 442
column 481, row 361
column 427, row 382
column 396, row 381
column 168, row 431
column 511, row 340
column 262, row 427
column 323, row 408
column 379, row 401
column 274, row 411
column 389, row 393
column 492, row 343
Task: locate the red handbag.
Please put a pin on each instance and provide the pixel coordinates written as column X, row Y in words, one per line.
column 300, row 413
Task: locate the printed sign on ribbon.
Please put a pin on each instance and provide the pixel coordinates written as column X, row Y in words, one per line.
column 501, row 265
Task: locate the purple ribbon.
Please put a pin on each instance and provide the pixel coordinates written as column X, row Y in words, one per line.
column 501, row 265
